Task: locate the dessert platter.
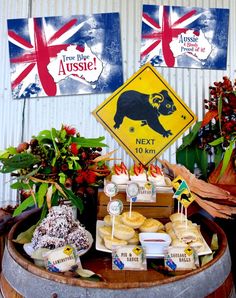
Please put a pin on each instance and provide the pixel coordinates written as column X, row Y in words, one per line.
column 137, row 173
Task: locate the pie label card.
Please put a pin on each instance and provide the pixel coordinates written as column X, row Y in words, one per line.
column 128, row 257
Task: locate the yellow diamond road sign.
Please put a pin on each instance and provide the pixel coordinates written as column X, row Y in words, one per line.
column 145, row 115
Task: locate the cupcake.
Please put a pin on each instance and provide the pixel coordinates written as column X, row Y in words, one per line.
column 155, row 175
column 120, row 174
column 138, row 173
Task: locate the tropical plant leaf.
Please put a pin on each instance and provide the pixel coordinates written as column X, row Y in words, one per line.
column 193, row 133
column 206, row 259
column 214, row 247
column 201, row 157
column 26, row 236
column 29, row 202
column 44, row 134
column 41, row 193
column 75, row 200
column 94, row 278
column 218, row 155
column 211, row 114
column 18, row 161
column 9, row 151
column 191, row 137
column 220, row 110
column 63, row 134
column 186, row 157
column 84, row 272
column 53, row 137
column 217, row 141
column 62, row 178
column 214, row 242
column 44, row 211
column 30, row 174
column 4, row 154
column 85, row 142
column 20, row 185
column 226, row 159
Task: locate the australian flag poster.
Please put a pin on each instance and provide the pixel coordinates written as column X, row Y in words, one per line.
column 176, row 36
column 51, row 56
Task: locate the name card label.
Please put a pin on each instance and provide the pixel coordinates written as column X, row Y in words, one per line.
column 128, row 257
column 147, row 192
column 181, row 258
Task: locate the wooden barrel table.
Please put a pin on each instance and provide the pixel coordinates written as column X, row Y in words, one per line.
column 21, row 278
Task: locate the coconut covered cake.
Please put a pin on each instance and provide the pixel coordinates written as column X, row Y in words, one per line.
column 58, row 229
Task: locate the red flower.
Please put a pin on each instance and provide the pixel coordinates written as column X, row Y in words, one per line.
column 70, row 130
column 232, row 100
column 90, row 177
column 64, row 167
column 73, row 149
column 80, row 177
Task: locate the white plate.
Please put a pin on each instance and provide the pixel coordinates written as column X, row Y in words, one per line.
column 28, row 248
column 101, row 247
column 205, row 250
column 99, row 241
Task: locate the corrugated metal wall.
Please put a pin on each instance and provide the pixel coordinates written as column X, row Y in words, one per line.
column 44, row 113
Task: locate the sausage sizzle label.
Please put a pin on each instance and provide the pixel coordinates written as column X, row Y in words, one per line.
column 145, row 115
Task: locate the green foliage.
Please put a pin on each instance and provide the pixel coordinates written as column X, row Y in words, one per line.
column 76, row 200
column 43, row 188
column 216, row 135
column 26, row 236
column 29, row 202
column 189, row 154
column 186, row 157
column 18, row 161
column 227, row 156
column 20, row 185
column 84, row 142
column 54, row 164
column 214, row 247
column 189, row 139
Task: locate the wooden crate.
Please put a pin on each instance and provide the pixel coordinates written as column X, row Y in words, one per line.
column 162, row 208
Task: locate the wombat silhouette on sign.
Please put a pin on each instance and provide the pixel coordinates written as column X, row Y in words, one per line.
column 146, row 108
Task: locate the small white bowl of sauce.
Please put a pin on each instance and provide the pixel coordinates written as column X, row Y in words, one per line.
column 155, row 243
